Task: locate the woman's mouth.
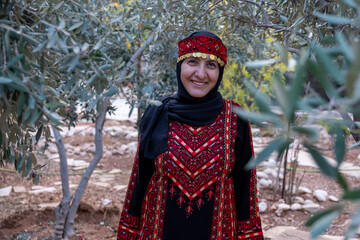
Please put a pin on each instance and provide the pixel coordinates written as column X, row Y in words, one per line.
column 198, row 83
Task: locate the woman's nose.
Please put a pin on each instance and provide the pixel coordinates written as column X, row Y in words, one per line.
column 201, row 72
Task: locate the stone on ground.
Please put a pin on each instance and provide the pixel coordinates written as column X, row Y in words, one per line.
column 4, row 192
column 291, row 233
column 19, row 189
column 43, row 190
column 311, row 207
column 48, row 205
column 320, row 195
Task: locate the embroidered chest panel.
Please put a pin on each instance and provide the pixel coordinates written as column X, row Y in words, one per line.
column 196, row 156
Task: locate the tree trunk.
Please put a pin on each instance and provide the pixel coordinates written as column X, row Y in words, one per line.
column 61, row 211
column 69, row 224
column 356, row 133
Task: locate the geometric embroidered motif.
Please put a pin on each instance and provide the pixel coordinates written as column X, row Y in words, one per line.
column 194, row 160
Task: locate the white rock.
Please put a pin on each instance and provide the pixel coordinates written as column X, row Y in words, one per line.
column 281, row 201
column 261, row 175
column 79, row 168
column 320, row 195
column 311, row 207
column 299, row 200
column 359, row 159
column 80, row 163
column 271, row 172
column 4, row 192
column 115, row 171
column 133, row 134
column 120, row 187
column 52, row 149
column 106, row 201
column 37, row 187
column 53, row 156
column 308, row 201
column 42, row 190
column 50, row 205
column 106, row 178
column 265, row 183
column 107, row 154
column 101, row 184
column 333, row 198
column 19, row 189
column 295, row 206
column 304, row 190
column 262, row 207
column 132, row 150
column 284, row 206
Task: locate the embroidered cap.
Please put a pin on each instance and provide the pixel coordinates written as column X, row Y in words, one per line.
column 200, row 45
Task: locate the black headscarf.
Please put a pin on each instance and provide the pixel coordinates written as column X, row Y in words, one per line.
column 182, row 107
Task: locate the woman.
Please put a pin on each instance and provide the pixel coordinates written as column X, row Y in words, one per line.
column 188, row 180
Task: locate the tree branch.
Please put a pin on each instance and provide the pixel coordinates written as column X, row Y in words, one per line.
column 219, row 1
column 250, row 12
column 33, row 40
column 261, row 8
column 133, row 59
column 276, row 27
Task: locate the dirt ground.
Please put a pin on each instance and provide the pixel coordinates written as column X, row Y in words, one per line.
column 21, row 216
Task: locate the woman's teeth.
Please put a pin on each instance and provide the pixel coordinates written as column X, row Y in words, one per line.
column 198, row 83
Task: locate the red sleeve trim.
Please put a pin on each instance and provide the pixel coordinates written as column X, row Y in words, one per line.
column 128, row 227
column 250, row 229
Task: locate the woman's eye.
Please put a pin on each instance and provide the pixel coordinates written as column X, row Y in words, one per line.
column 212, row 64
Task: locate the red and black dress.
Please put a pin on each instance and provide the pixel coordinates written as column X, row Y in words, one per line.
column 197, row 189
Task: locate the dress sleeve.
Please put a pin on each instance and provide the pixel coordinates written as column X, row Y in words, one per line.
column 141, row 174
column 247, row 211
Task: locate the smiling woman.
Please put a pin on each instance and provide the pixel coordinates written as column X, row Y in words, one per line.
column 188, row 180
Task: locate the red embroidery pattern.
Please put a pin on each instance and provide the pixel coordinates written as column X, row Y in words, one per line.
column 221, row 229
column 196, row 152
column 251, row 229
column 203, row 44
column 129, row 225
column 154, row 203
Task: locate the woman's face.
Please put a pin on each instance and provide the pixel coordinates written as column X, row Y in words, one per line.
column 199, row 75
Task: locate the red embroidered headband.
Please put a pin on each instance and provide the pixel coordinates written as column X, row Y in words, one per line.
column 199, row 46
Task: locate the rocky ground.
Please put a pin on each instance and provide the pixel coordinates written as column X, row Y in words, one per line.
column 26, row 210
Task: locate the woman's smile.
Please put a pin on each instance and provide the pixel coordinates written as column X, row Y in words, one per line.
column 200, row 84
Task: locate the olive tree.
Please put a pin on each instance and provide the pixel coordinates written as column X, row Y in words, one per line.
column 59, row 56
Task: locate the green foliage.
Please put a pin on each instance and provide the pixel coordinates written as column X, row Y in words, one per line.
column 331, row 64
column 59, row 55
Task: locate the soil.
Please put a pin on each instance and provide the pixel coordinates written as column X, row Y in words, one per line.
column 21, row 217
